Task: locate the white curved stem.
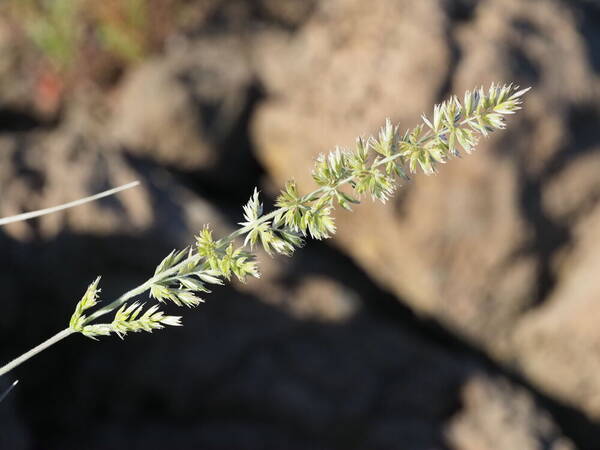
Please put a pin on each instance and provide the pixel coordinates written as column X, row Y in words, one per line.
column 53, row 209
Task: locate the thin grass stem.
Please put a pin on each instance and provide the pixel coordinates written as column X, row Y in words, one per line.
column 53, row 209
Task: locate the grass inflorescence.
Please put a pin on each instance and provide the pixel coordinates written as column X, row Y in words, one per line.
column 375, row 167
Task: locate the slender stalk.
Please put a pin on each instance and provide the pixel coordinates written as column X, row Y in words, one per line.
column 35, row 350
column 53, row 209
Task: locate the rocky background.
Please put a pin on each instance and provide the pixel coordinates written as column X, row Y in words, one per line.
column 462, row 315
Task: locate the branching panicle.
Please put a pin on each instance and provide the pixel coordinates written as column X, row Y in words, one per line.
column 126, row 319
column 374, row 168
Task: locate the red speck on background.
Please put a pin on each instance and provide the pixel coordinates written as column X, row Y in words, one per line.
column 49, row 90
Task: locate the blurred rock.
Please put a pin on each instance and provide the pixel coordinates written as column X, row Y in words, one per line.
column 291, row 13
column 499, row 248
column 318, row 298
column 557, row 345
column 496, row 415
column 49, row 167
column 314, row 297
column 476, row 246
column 573, row 191
column 178, row 110
column 151, row 104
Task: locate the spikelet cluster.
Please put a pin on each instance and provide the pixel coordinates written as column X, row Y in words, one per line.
column 129, row 318
column 374, row 168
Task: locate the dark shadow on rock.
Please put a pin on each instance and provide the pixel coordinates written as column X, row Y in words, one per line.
column 548, row 236
column 15, row 120
column 584, row 138
column 240, row 374
column 324, row 259
column 587, row 13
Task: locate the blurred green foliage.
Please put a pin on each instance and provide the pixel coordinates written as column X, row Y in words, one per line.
column 53, row 27
column 83, row 36
column 126, row 34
